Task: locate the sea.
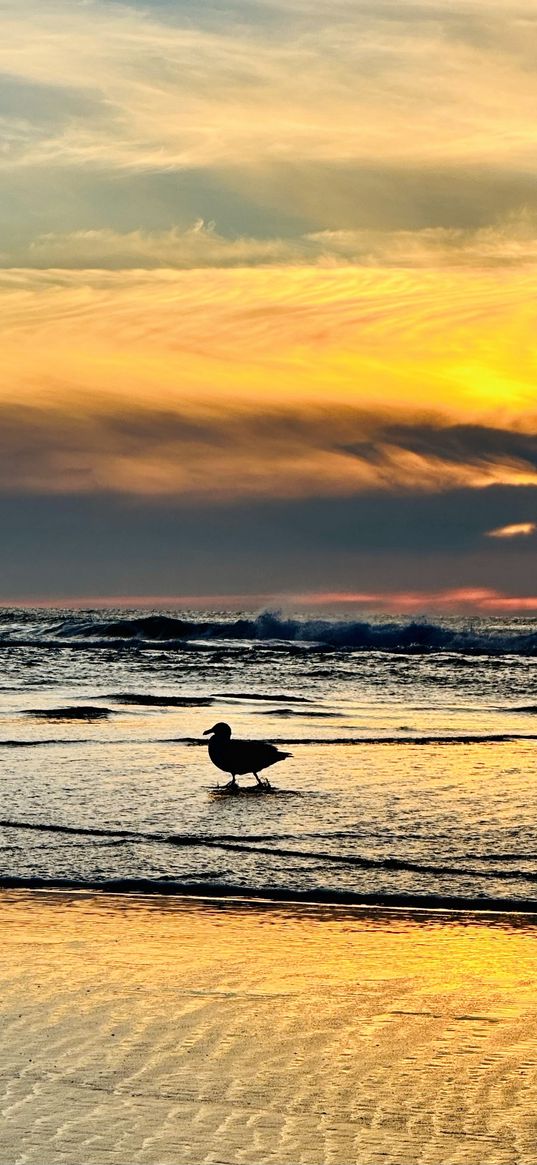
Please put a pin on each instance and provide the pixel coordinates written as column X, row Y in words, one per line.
column 412, row 778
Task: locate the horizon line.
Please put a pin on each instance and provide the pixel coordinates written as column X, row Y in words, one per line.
column 459, row 600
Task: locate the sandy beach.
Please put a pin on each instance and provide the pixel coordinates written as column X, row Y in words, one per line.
column 164, row 1030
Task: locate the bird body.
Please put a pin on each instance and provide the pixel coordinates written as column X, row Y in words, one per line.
column 238, row 757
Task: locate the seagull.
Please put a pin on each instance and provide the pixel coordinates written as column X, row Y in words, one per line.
column 241, row 756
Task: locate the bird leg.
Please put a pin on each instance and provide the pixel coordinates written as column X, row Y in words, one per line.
column 232, row 784
column 264, row 783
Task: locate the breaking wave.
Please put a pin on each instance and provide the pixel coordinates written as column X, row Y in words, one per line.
column 507, row 910
column 414, row 636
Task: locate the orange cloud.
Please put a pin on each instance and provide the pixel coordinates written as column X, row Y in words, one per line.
column 398, row 339
column 478, row 599
column 197, row 356
column 277, row 452
column 517, row 530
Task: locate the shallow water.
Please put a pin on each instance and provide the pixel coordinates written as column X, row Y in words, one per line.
column 413, row 753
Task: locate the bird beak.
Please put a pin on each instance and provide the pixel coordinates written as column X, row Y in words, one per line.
column 208, row 731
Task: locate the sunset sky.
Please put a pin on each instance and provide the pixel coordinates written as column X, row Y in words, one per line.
column 268, row 302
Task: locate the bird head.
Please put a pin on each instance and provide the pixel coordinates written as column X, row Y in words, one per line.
column 219, row 729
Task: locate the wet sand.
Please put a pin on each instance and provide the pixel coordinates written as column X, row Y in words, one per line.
column 165, row 1030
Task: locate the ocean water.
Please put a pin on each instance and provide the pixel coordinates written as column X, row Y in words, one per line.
column 413, row 772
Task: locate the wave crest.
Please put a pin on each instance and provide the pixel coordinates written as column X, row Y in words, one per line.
column 404, row 636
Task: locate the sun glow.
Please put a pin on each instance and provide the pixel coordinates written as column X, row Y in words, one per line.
column 195, row 357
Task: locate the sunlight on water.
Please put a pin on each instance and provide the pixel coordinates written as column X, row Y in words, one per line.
column 413, row 766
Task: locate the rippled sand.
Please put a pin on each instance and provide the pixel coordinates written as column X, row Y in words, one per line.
column 167, row 1031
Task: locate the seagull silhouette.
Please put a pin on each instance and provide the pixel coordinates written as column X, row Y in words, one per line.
column 241, row 756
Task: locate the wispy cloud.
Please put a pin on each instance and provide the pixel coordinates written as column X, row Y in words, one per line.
column 204, row 86
column 389, row 339
column 216, row 381
column 508, row 243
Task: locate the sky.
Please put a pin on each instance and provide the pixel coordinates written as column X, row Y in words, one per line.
column 268, row 313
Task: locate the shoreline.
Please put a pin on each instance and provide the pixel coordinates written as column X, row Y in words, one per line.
column 277, row 896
